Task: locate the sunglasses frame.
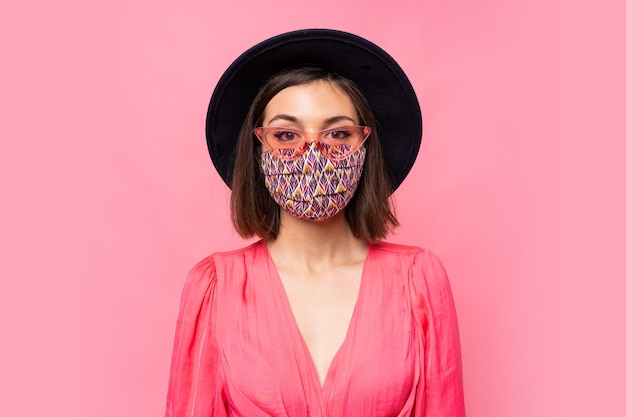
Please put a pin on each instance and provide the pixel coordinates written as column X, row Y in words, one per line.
column 308, row 138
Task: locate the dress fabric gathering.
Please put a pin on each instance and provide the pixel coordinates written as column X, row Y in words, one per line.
column 238, row 350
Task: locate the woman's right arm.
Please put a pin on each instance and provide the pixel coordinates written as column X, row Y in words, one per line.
column 194, row 387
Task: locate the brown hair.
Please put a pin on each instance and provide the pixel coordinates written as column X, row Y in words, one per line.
column 254, row 212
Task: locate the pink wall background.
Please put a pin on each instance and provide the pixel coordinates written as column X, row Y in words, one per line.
column 109, row 197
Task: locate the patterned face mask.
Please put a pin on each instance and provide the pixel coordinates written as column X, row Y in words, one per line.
column 312, row 186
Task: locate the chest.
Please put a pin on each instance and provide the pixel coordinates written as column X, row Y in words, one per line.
column 323, row 308
column 274, row 340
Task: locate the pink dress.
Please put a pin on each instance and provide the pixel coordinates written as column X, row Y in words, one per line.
column 238, row 350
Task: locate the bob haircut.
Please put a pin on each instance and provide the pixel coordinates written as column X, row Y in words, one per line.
column 369, row 213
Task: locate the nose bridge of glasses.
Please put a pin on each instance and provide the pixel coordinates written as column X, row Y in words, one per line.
column 311, row 136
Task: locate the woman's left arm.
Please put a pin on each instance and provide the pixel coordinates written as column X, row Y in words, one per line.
column 433, row 305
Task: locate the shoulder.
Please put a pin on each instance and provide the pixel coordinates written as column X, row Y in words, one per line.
column 240, row 253
column 238, row 258
column 206, row 272
column 421, row 266
column 202, row 280
column 208, row 263
column 396, row 248
column 407, row 253
column 426, row 282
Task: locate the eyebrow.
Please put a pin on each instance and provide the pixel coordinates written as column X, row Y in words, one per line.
column 329, row 121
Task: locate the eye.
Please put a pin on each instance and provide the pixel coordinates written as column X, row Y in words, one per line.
column 286, row 135
column 338, row 134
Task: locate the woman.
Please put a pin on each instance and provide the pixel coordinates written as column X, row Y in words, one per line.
column 318, row 318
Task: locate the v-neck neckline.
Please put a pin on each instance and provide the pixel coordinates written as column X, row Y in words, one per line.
column 321, row 384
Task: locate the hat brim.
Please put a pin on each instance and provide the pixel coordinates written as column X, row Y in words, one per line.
column 377, row 75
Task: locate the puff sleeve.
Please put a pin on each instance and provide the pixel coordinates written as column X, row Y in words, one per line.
column 194, row 386
column 440, row 390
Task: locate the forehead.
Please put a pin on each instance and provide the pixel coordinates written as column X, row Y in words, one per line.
column 316, row 100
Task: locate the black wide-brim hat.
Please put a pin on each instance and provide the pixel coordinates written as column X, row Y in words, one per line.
column 377, row 75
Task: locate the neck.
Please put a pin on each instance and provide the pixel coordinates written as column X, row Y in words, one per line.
column 316, row 245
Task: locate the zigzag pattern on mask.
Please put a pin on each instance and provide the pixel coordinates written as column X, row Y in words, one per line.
column 312, row 186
